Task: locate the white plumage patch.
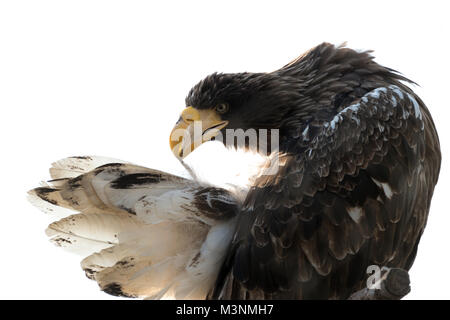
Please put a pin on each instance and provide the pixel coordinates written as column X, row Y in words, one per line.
column 385, row 187
column 355, row 213
column 354, row 108
column 146, row 233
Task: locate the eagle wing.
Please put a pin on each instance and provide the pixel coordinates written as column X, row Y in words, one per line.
column 143, row 233
column 355, row 191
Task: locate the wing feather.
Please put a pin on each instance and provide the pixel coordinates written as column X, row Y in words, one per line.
column 359, row 190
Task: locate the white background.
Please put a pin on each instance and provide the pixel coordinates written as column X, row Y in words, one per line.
column 110, row 77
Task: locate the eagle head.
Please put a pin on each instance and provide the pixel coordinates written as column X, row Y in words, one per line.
column 224, row 105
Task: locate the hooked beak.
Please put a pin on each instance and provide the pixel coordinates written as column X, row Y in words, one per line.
column 193, row 128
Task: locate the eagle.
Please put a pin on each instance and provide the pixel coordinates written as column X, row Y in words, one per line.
column 357, row 158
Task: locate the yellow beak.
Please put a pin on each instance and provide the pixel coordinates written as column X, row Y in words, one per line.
column 193, row 128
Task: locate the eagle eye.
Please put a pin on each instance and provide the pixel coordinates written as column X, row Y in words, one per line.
column 222, row 108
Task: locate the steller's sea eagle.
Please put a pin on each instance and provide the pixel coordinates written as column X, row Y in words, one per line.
column 357, row 155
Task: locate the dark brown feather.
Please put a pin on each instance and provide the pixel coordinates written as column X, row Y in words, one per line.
column 361, row 197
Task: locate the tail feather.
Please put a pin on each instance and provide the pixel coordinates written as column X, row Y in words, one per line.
column 72, row 167
column 108, row 257
column 43, row 199
column 143, row 232
column 76, row 244
column 98, row 227
column 156, row 241
column 139, row 277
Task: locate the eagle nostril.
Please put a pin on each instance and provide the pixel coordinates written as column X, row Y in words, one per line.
column 188, row 118
column 190, row 115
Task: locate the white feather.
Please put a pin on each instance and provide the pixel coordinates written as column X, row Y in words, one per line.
column 74, row 166
column 145, row 240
